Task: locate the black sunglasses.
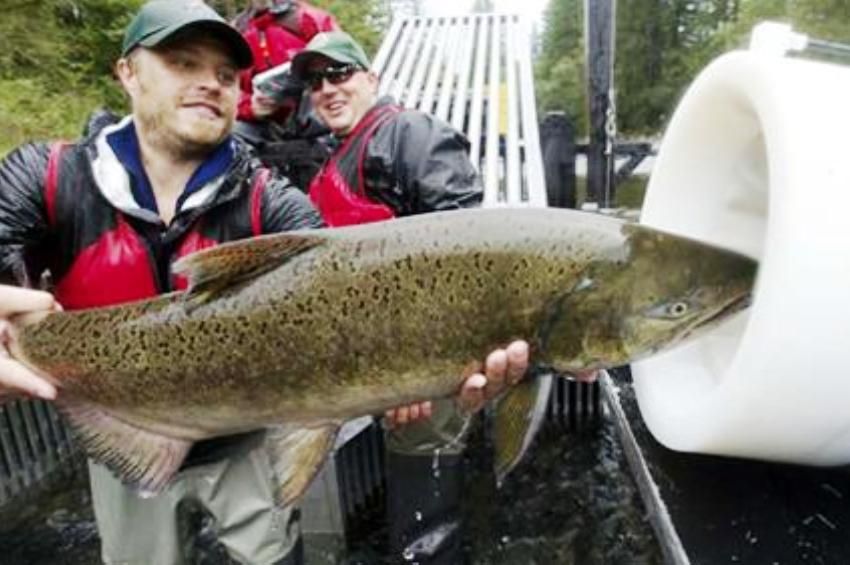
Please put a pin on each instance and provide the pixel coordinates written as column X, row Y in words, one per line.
column 335, row 74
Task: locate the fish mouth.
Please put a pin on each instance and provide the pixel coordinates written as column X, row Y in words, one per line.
column 730, row 308
column 735, row 305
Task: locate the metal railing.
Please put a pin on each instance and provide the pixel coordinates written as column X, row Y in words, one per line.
column 475, row 73
column 34, row 443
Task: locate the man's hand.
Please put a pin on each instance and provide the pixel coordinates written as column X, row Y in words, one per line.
column 502, row 368
column 15, row 377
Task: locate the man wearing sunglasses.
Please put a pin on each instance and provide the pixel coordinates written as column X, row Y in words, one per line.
column 273, row 116
column 392, row 162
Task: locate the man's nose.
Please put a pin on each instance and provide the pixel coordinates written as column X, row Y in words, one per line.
column 208, row 78
column 214, row 78
column 325, row 85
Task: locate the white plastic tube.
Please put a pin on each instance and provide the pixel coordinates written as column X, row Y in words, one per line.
column 757, row 158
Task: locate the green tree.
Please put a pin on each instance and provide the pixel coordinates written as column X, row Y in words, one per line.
column 365, row 20
column 662, row 45
column 560, row 68
column 55, row 65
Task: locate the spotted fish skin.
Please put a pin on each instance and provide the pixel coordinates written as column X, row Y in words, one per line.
column 320, row 326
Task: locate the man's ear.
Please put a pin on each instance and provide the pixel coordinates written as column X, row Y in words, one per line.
column 374, row 82
column 125, row 70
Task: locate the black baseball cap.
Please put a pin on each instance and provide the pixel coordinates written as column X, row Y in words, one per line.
column 159, row 20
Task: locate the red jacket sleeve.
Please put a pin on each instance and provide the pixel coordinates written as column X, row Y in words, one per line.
column 314, row 20
column 283, row 42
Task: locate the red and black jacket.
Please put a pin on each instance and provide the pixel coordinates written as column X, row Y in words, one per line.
column 408, row 160
column 70, row 212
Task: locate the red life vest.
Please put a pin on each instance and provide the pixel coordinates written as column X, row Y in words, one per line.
column 339, row 191
column 111, row 263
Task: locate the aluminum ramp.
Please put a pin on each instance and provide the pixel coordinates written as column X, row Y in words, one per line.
column 474, row 72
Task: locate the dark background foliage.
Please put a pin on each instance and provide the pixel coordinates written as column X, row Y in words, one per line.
column 56, row 58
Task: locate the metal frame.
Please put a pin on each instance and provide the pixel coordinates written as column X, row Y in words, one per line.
column 474, row 72
column 34, row 442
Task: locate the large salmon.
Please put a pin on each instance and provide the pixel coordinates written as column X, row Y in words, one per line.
column 300, row 331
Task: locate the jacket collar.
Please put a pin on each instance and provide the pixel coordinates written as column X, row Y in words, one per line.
column 116, row 162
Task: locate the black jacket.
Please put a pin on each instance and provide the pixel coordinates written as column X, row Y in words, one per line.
column 75, row 231
column 416, row 163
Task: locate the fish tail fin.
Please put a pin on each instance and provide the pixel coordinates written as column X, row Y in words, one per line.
column 519, row 415
column 296, row 456
column 140, row 458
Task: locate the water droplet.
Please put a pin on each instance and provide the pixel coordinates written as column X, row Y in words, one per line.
column 408, row 554
column 418, row 516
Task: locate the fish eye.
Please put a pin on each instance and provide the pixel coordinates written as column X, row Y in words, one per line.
column 669, row 310
column 677, row 309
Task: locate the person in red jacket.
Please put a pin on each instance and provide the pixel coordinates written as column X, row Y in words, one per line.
column 392, row 162
column 276, row 32
column 273, row 116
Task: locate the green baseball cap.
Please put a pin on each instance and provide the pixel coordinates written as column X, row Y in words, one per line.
column 335, row 45
column 159, row 20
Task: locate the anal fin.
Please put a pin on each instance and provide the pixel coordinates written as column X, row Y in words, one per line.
column 140, row 458
column 519, row 415
column 296, row 455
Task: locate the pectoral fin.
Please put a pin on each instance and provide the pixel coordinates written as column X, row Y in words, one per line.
column 519, row 414
column 296, row 455
column 212, row 270
column 140, row 458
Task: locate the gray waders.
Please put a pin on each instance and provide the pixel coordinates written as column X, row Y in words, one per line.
column 236, row 491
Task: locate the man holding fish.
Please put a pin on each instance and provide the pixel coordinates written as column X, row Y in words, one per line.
column 107, row 216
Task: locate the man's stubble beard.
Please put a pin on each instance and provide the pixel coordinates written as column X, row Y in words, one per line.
column 158, row 134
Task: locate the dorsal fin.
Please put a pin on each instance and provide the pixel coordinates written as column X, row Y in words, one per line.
column 212, row 270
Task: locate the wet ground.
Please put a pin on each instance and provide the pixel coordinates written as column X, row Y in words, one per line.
column 571, row 502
